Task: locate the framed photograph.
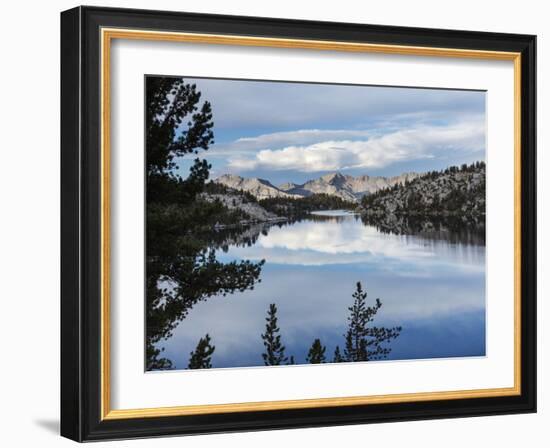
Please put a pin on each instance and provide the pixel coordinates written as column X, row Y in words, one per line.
column 273, row 223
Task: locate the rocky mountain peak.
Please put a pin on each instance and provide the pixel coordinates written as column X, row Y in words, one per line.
column 347, row 187
column 334, row 178
column 260, row 188
column 228, row 178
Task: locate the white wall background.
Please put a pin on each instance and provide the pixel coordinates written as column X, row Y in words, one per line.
column 29, row 236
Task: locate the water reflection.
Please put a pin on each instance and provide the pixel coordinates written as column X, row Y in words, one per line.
column 470, row 231
column 429, row 276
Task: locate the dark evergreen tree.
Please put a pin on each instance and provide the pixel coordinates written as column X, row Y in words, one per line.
column 364, row 342
column 349, row 351
column 337, row 355
column 274, row 354
column 316, row 354
column 155, row 360
column 201, row 358
column 181, row 267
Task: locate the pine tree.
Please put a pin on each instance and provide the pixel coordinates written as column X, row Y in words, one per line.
column 179, row 124
column 349, row 351
column 274, row 350
column 316, row 354
column 202, row 356
column 337, row 355
column 364, row 342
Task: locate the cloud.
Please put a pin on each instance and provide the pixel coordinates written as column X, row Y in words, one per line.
column 310, row 243
column 317, row 150
column 263, row 128
column 244, row 146
column 302, row 136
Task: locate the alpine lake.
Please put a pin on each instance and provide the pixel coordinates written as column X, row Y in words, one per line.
column 429, row 276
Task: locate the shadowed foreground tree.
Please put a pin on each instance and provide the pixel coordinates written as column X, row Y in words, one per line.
column 182, row 268
column 364, row 342
column 274, row 354
column 337, row 355
column 201, row 358
column 316, row 354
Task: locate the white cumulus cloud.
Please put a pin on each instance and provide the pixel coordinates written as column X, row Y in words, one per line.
column 359, row 149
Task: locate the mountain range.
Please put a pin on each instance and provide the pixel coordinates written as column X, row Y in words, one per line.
column 350, row 188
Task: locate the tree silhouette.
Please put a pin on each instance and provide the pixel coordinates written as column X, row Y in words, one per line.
column 348, row 347
column 337, row 355
column 181, row 267
column 362, row 341
column 274, row 354
column 316, row 354
column 202, row 356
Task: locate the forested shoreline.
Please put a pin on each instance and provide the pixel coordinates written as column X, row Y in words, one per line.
column 457, row 191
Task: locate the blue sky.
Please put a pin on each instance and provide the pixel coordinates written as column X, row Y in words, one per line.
column 294, row 132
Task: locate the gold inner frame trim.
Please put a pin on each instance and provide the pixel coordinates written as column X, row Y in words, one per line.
column 107, row 35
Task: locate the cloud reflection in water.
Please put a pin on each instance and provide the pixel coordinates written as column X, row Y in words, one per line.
column 435, row 289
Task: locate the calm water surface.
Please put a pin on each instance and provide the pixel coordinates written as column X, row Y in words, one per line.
column 431, row 284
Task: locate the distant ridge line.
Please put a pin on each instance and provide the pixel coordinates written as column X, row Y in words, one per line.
column 350, row 188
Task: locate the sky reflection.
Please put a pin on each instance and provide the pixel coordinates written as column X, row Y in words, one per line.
column 311, row 270
column 348, row 241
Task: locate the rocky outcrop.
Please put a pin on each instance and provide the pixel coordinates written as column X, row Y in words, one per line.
column 454, row 191
column 235, row 201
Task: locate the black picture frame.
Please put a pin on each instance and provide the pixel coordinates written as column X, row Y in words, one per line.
column 81, row 224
